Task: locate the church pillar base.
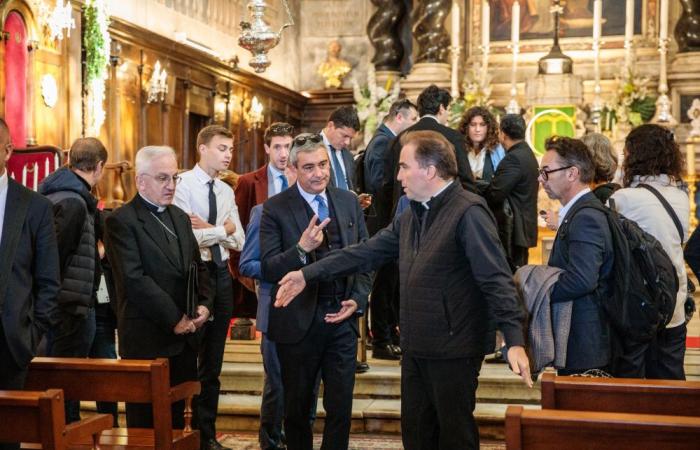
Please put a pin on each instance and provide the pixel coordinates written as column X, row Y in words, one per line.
column 382, row 76
column 423, row 75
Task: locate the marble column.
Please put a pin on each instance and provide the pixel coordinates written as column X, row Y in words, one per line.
column 383, row 32
column 433, row 41
column 687, row 30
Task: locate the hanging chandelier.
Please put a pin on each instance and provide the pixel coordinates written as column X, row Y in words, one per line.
column 257, row 37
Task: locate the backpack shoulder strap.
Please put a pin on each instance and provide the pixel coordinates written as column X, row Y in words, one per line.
column 667, row 207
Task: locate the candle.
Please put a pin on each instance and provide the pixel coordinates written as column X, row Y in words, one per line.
column 56, row 161
column 46, row 167
column 597, row 18
column 485, row 25
column 36, row 176
column 455, row 25
column 515, row 24
column 663, row 21
column 24, row 176
column 629, row 32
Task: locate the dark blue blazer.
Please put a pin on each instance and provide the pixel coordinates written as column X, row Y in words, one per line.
column 29, row 272
column 583, row 248
column 375, row 156
column 249, row 266
column 284, row 219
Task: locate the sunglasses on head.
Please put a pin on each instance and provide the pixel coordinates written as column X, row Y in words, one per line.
column 282, row 128
column 302, row 139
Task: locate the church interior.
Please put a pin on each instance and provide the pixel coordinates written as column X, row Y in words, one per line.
column 136, row 73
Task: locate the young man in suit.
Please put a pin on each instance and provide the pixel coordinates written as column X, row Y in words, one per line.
column 218, row 230
column 515, row 183
column 432, row 108
column 384, row 302
column 584, row 252
column 151, row 248
column 29, row 274
column 318, row 333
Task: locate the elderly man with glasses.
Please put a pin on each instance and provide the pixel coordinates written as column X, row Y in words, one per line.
column 151, row 248
column 318, row 332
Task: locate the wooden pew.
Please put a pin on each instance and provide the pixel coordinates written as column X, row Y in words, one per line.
column 549, row 429
column 110, row 380
column 625, row 395
column 39, row 417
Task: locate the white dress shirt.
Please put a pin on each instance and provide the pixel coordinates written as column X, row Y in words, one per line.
column 3, row 200
column 192, row 196
column 311, row 198
column 273, row 178
column 338, row 153
column 565, row 209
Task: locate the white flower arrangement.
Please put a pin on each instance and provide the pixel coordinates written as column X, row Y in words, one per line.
column 477, row 92
column 632, row 105
column 373, row 102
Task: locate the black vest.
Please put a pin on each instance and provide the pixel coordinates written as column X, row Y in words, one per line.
column 330, row 289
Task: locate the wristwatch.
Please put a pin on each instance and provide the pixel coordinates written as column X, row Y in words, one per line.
column 302, row 253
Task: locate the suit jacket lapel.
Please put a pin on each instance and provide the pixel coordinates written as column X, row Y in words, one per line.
column 261, row 185
column 154, row 230
column 341, row 217
column 349, row 163
column 184, row 232
column 13, row 221
column 297, row 205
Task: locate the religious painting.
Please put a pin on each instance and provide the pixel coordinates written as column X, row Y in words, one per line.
column 537, row 22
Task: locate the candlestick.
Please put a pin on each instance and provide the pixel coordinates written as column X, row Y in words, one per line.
column 485, row 40
column 454, row 49
column 36, row 176
column 46, row 168
column 629, row 33
column 455, row 24
column 663, row 103
column 515, row 23
column 597, row 106
column 24, row 176
column 56, row 161
column 513, row 107
column 690, row 156
column 663, row 20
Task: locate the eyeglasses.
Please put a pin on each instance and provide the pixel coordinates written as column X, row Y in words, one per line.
column 303, row 138
column 282, row 129
column 544, row 173
column 163, row 179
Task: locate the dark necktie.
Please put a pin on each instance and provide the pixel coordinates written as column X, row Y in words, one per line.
column 340, row 181
column 215, row 250
column 322, row 208
column 285, row 184
column 487, row 172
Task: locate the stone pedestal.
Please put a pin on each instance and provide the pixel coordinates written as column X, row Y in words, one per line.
column 423, row 75
column 554, row 89
column 381, row 77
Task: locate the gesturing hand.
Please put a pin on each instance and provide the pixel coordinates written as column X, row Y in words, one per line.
column 198, row 223
column 517, row 358
column 312, row 236
column 290, row 286
column 348, row 308
column 184, row 326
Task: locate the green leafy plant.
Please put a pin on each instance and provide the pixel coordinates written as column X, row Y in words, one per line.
column 96, row 42
column 633, row 104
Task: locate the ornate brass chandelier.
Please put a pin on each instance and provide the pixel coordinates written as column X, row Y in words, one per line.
column 257, row 37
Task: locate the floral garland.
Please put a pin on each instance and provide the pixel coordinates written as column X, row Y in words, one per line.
column 373, row 102
column 96, row 42
column 476, row 93
column 632, row 105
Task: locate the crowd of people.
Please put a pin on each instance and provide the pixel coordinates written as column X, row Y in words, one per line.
column 425, row 230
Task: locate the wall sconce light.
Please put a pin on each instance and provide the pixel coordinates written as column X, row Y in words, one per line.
column 56, row 20
column 254, row 116
column 157, row 85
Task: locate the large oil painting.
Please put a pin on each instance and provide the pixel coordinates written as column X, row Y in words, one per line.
column 536, row 21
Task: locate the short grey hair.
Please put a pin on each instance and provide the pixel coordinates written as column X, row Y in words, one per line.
column 147, row 154
column 307, row 147
column 604, row 157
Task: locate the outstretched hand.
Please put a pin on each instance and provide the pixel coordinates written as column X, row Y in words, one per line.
column 520, row 364
column 347, row 309
column 290, row 286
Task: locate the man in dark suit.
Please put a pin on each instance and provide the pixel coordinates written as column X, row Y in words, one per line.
column 151, row 248
column 512, row 192
column 583, row 249
column 318, row 333
column 432, row 108
column 29, row 274
column 384, row 302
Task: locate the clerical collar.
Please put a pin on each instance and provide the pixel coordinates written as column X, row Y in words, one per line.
column 151, row 206
column 426, row 205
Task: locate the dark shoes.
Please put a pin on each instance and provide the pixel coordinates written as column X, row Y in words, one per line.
column 387, row 351
column 213, row 444
column 361, row 367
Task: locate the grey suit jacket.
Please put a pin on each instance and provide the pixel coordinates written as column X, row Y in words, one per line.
column 284, row 219
column 29, row 272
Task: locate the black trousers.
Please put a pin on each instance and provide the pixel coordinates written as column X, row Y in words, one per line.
column 183, row 367
column 438, row 397
column 12, row 377
column 329, row 349
column 211, row 351
column 272, row 406
column 661, row 358
column 384, row 304
column 518, row 257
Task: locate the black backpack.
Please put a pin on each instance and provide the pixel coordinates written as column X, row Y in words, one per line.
column 645, row 283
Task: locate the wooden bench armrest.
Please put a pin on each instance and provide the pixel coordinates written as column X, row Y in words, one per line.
column 184, row 390
column 91, row 427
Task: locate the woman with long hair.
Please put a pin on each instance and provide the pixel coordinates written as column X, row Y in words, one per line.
column 484, row 152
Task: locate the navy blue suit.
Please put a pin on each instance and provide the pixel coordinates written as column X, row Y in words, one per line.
column 583, row 248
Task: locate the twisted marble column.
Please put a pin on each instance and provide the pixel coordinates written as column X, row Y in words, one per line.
column 383, row 32
column 429, row 30
column 687, row 30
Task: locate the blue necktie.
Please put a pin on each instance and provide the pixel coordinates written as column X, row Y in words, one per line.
column 215, row 250
column 285, row 185
column 340, row 181
column 322, row 208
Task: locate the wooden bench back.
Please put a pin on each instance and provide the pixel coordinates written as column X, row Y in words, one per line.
column 548, row 429
column 37, row 417
column 111, row 380
column 667, row 397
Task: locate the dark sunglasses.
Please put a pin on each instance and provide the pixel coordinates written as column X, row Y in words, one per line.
column 303, row 138
column 282, row 128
